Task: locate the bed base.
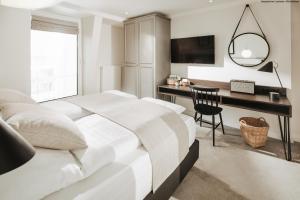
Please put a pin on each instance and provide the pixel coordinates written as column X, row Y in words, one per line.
column 165, row 191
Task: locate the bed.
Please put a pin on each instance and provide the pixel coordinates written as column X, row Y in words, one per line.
column 123, row 172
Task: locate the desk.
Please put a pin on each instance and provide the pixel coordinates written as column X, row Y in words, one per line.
column 261, row 103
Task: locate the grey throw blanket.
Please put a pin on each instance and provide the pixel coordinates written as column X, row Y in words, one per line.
column 161, row 131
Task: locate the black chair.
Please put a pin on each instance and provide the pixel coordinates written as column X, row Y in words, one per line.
column 206, row 102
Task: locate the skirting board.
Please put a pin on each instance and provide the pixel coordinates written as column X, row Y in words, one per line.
column 166, row 190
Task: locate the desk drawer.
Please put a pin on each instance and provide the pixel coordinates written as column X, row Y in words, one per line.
column 175, row 92
column 258, row 106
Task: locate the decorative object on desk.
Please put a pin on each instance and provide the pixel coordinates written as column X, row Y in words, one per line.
column 248, row 49
column 173, row 79
column 242, row 86
column 14, row 149
column 274, row 96
column 269, row 67
column 254, row 131
column 185, row 82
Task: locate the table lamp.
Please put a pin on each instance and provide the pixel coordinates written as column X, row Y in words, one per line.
column 269, row 67
column 14, row 149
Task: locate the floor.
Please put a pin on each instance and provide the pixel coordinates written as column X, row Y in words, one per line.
column 233, row 170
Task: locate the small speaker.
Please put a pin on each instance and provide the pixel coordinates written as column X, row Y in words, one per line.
column 242, row 86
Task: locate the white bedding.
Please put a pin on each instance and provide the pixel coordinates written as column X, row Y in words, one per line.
column 129, row 178
column 50, row 170
column 106, row 142
column 115, row 165
column 75, row 112
column 161, row 131
column 47, row 172
column 191, row 125
column 109, row 141
column 69, row 109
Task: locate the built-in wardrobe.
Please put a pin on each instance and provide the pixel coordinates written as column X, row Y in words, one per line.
column 147, row 54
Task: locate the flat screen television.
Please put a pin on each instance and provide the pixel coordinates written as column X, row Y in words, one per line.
column 200, row 50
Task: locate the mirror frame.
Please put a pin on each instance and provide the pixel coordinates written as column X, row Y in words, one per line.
column 232, row 42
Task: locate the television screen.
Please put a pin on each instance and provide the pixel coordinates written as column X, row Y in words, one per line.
column 193, row 50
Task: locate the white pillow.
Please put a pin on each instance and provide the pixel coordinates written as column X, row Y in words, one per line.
column 46, row 129
column 120, row 93
column 10, row 109
column 71, row 110
column 175, row 107
column 14, row 96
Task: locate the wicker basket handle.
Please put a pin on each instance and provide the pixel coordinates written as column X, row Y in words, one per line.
column 244, row 123
column 262, row 119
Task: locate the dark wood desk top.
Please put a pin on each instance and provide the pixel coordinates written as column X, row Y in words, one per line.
column 247, row 101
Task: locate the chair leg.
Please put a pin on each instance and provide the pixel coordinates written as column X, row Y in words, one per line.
column 195, row 117
column 221, row 119
column 201, row 120
column 213, row 127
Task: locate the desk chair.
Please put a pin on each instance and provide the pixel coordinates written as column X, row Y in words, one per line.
column 206, row 102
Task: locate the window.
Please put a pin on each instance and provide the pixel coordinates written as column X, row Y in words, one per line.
column 54, row 71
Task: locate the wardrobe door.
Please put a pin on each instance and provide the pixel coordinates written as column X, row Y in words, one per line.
column 130, row 80
column 146, row 82
column 146, row 41
column 131, row 43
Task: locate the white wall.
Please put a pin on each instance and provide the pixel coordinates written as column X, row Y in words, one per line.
column 103, row 55
column 111, row 56
column 91, row 35
column 101, row 46
column 275, row 21
column 295, row 92
column 15, row 49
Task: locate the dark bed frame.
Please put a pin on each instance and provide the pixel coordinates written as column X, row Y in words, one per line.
column 165, row 191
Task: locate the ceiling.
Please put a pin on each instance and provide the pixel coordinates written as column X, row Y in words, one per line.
column 121, row 9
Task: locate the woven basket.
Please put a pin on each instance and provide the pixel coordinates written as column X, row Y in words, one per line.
column 254, row 131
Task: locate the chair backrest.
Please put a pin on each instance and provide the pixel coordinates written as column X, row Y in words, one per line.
column 205, row 95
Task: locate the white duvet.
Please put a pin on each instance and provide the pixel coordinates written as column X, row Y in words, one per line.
column 106, row 142
column 47, row 172
column 51, row 170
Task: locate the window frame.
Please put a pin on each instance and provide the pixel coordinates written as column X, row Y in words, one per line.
column 78, row 54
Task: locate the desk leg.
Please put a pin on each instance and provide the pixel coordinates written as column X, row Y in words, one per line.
column 286, row 136
column 173, row 99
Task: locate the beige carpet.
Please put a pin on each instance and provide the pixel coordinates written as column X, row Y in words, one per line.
column 200, row 185
column 233, row 170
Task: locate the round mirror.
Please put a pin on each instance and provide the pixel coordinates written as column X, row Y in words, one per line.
column 249, row 49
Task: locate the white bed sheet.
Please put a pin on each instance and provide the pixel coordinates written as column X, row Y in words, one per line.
column 106, row 141
column 75, row 112
column 114, row 156
column 129, row 178
column 110, row 141
column 71, row 110
column 48, row 171
column 191, row 125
